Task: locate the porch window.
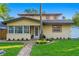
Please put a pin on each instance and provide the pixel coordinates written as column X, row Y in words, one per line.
column 57, row 28
column 47, row 17
column 18, row 29
column 10, row 29
column 26, row 29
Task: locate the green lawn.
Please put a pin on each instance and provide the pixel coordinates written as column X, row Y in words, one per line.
column 59, row 48
column 11, row 48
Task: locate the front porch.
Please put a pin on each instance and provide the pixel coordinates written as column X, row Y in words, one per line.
column 23, row 32
column 34, row 32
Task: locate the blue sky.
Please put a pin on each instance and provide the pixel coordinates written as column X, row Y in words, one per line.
column 67, row 9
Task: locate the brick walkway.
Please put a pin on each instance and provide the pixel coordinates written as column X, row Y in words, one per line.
column 26, row 50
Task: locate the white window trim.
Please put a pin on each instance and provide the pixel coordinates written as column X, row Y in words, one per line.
column 18, row 33
column 9, row 29
column 22, row 30
column 57, row 31
column 14, row 29
column 29, row 29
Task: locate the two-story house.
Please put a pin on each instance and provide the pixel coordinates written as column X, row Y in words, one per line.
column 28, row 25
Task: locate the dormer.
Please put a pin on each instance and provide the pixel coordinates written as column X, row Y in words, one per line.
column 44, row 16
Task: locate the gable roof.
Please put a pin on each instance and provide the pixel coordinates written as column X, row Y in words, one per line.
column 58, row 22
column 2, row 26
column 44, row 21
column 54, row 14
column 20, row 18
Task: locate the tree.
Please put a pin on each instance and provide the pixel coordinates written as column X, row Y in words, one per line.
column 41, row 24
column 31, row 11
column 76, row 19
column 4, row 10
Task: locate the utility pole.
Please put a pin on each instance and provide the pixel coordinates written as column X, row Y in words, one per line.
column 41, row 24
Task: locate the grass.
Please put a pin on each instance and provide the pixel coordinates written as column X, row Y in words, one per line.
column 11, row 48
column 59, row 48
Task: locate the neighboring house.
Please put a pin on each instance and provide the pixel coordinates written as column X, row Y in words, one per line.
column 27, row 26
column 3, row 31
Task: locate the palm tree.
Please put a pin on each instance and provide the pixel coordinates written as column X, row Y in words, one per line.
column 4, row 12
column 41, row 24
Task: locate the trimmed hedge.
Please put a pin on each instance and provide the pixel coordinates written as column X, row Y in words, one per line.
column 41, row 41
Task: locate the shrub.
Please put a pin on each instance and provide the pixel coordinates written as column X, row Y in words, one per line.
column 13, row 39
column 47, row 39
column 27, row 39
column 69, row 38
column 51, row 39
column 22, row 39
column 60, row 38
column 9, row 39
column 41, row 41
column 63, row 38
column 18, row 39
column 43, row 36
column 57, row 38
column 32, row 36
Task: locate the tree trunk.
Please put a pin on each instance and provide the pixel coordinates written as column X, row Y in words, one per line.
column 41, row 24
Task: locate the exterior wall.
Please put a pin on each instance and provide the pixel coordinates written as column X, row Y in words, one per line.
column 53, row 17
column 18, row 36
column 21, row 23
column 44, row 17
column 47, row 29
column 66, row 30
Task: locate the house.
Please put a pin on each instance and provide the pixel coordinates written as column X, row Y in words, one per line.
column 3, row 31
column 27, row 26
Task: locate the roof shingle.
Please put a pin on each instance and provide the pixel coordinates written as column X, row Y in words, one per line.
column 44, row 21
column 58, row 22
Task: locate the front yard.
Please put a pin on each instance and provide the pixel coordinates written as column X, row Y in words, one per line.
column 58, row 48
column 10, row 48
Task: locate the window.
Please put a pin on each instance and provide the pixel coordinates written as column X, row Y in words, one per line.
column 47, row 17
column 18, row 29
column 57, row 28
column 26, row 29
column 55, row 17
column 10, row 29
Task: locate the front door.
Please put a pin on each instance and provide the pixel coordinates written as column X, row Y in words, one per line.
column 36, row 32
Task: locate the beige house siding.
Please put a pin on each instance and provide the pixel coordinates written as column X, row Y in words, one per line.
column 47, row 30
column 18, row 36
column 66, row 30
column 44, row 17
column 24, row 22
